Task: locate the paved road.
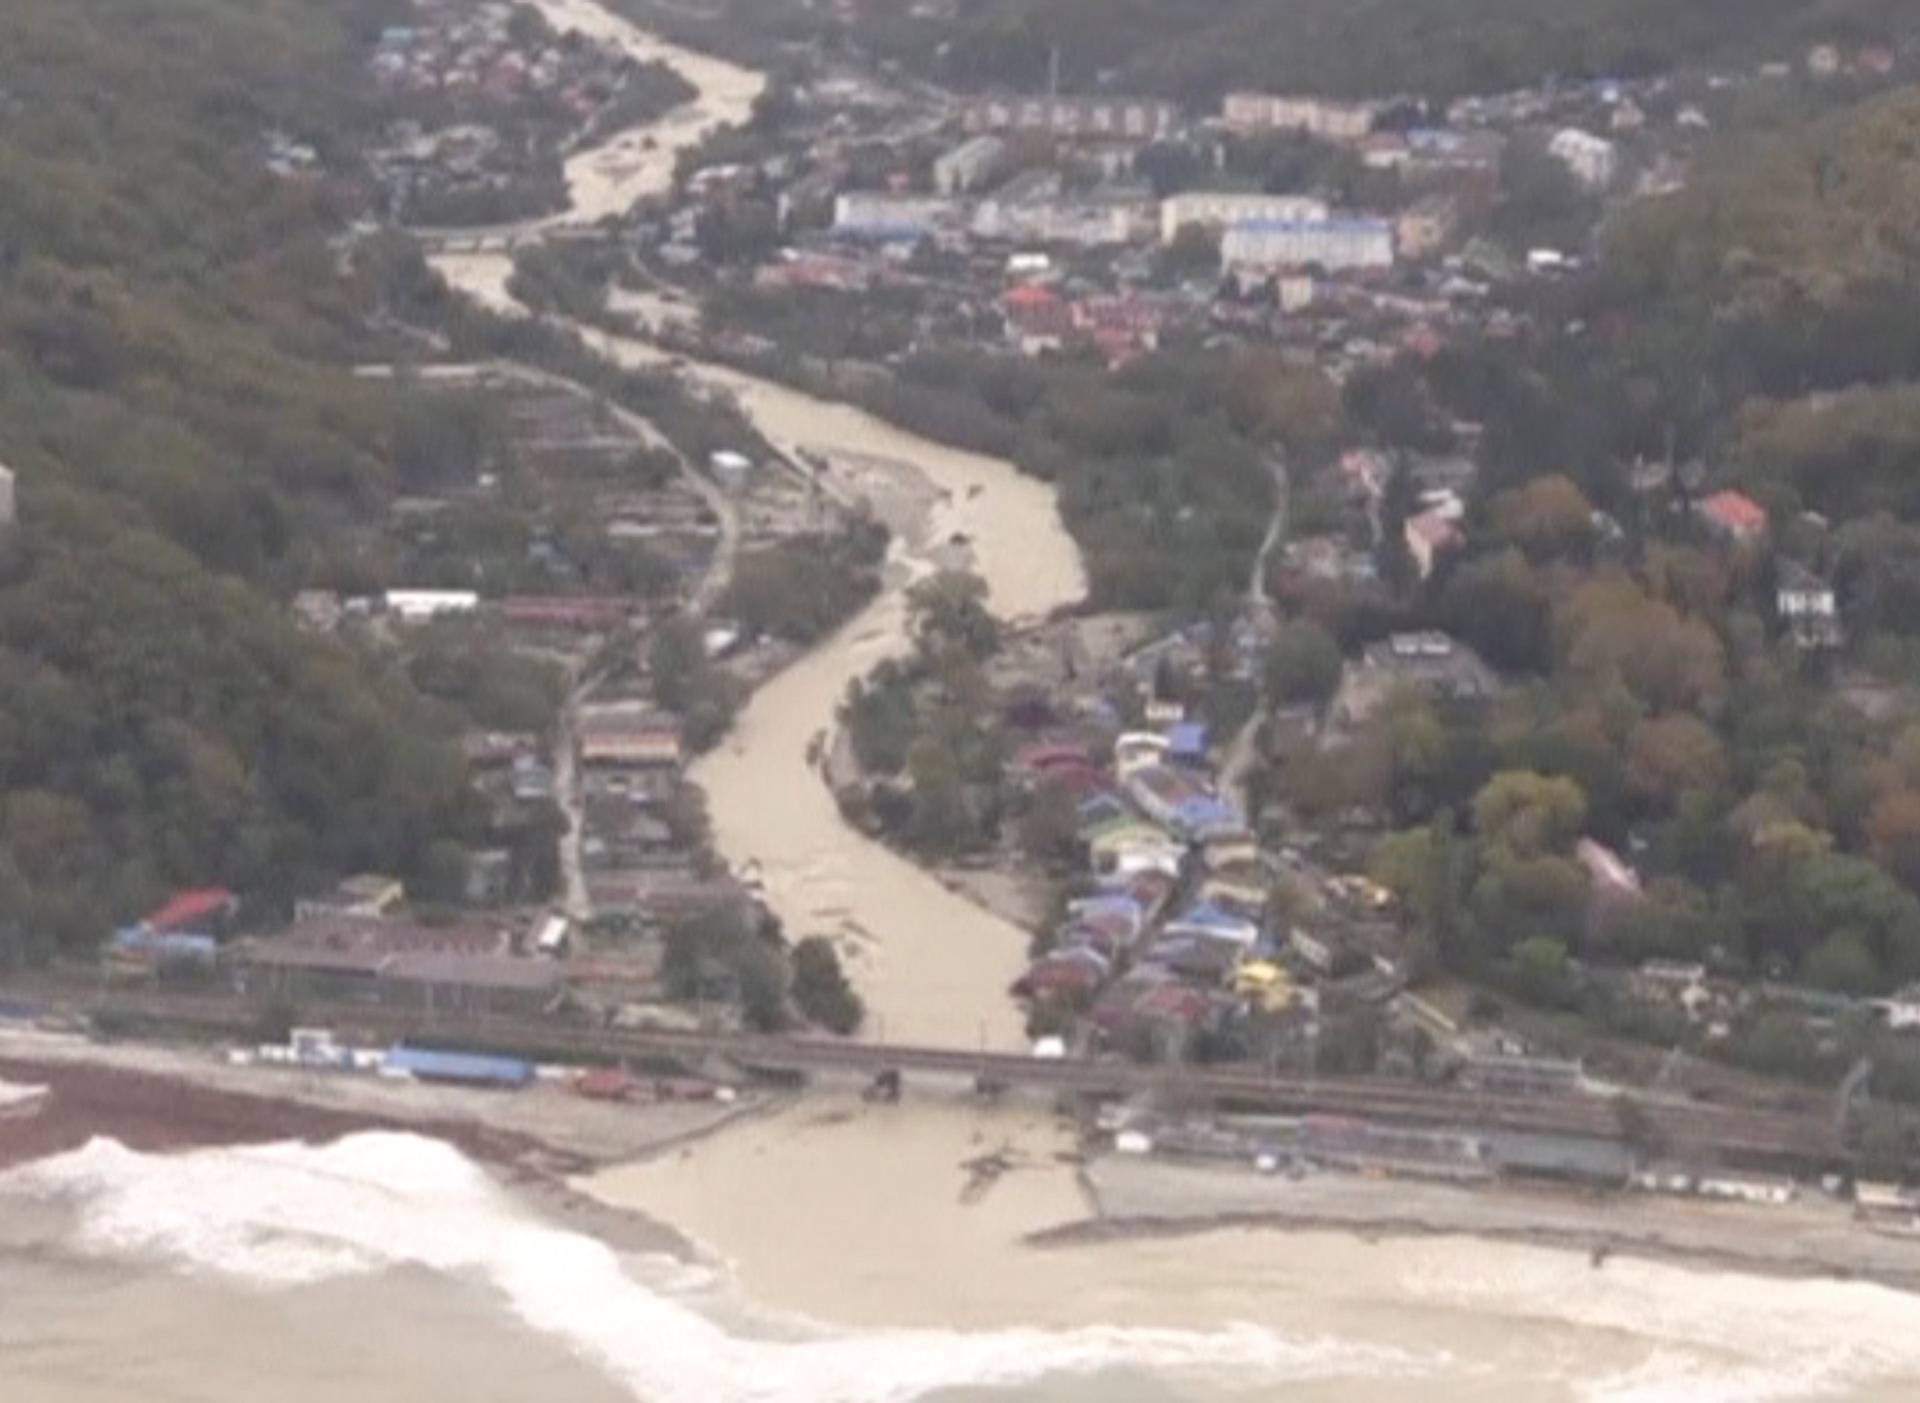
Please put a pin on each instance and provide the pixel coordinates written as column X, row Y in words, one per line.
column 1239, row 757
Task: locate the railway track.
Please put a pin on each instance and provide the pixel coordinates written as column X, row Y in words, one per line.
column 1751, row 1134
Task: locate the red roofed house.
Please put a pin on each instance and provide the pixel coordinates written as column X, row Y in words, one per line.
column 199, row 911
column 1037, row 319
column 1733, row 515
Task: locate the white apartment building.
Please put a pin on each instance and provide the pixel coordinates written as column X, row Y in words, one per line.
column 1226, row 208
column 1335, row 244
column 1315, row 116
column 1097, row 118
column 969, row 165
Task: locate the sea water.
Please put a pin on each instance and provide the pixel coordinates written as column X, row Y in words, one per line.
column 387, row 1268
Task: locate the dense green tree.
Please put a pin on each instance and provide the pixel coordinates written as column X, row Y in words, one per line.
column 1529, row 814
column 1303, row 664
column 1499, row 604
column 949, row 613
column 820, row 988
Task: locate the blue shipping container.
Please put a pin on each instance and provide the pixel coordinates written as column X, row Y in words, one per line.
column 470, row 1068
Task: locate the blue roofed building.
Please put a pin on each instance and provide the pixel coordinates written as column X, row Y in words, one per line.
column 1187, row 743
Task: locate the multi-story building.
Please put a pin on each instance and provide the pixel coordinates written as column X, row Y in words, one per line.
column 1085, row 118
column 1334, row 244
column 1593, row 160
column 1314, row 116
column 869, row 215
column 1229, row 207
column 1090, row 220
column 969, row 165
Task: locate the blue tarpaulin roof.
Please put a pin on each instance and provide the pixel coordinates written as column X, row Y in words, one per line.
column 1188, row 738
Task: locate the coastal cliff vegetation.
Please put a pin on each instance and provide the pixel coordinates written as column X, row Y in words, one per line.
column 176, row 337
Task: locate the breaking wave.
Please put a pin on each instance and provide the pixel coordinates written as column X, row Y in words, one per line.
column 287, row 1215
column 1712, row 1336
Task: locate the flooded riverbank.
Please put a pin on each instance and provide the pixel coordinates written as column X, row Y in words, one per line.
column 611, row 176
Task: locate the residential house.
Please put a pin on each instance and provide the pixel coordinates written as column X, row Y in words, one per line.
column 1055, row 763
column 1228, row 847
column 1115, row 906
column 1323, row 954
column 1878, row 60
column 1240, row 887
column 1627, row 116
column 1187, row 744
column 1365, row 473
column 197, row 911
column 583, row 613
column 1807, row 605
column 1593, row 160
column 1038, row 318
column 1182, row 802
column 1437, row 666
column 1152, row 1012
column 1682, row 983
column 1207, row 922
column 1733, row 516
column 1100, row 808
column 370, row 896
column 1901, row 1010
column 1135, row 750
column 1426, row 227
column 628, row 737
column 1072, row 974
column 1823, row 61
column 317, row 610
column 497, row 750
column 531, row 780
column 1128, row 845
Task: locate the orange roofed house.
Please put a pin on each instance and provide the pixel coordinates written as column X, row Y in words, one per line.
column 1734, row 516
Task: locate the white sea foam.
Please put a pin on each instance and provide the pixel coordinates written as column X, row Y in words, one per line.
column 14, row 1094
column 1714, row 1337
column 284, row 1215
